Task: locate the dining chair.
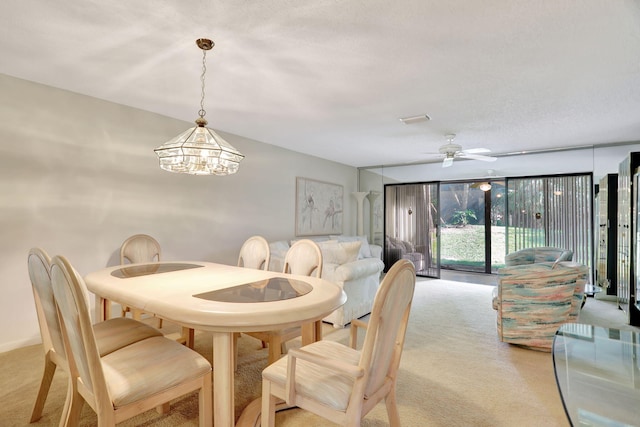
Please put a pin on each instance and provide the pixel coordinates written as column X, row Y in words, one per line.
column 338, row 382
column 255, row 253
column 303, row 258
column 130, row 380
column 110, row 335
column 141, row 248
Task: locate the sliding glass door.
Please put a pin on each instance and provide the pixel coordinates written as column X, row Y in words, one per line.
column 472, row 237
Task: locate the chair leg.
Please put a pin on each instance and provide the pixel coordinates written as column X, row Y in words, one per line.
column 205, row 402
column 105, row 308
column 72, row 406
column 268, row 413
column 45, row 384
column 190, row 335
column 392, row 408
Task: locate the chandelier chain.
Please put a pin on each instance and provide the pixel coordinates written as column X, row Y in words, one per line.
column 202, row 112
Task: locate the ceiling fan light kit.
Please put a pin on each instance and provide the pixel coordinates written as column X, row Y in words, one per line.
column 453, row 151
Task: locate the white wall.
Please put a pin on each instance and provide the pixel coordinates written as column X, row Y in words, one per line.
column 78, row 175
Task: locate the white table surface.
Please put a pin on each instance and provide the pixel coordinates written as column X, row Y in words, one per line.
column 170, row 295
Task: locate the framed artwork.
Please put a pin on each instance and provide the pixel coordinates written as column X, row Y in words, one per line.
column 319, row 207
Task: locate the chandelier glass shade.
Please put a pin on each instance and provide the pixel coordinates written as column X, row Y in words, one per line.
column 199, row 150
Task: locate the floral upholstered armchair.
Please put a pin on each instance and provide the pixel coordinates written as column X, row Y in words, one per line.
column 533, row 300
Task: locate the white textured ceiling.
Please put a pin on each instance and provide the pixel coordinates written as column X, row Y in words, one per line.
column 331, row 78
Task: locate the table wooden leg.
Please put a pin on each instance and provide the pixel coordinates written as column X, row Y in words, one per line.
column 223, row 381
column 311, row 332
column 103, row 308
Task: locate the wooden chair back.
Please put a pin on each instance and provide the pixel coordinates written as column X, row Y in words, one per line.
column 71, row 297
column 140, row 248
column 255, row 253
column 304, row 257
column 38, row 264
column 384, row 340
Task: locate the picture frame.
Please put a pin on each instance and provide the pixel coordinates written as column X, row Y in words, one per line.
column 319, row 207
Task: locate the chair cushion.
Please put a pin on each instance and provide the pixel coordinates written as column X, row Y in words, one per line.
column 113, row 334
column 321, row 384
column 130, row 377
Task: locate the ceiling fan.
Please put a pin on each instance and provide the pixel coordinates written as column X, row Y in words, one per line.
column 453, row 151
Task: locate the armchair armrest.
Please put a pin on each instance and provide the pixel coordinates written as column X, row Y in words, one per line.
column 359, row 268
column 353, row 332
column 335, row 365
column 376, row 251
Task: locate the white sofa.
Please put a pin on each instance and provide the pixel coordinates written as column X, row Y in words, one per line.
column 351, row 263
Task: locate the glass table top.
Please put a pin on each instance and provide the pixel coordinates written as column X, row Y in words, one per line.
column 273, row 289
column 148, row 269
column 598, row 374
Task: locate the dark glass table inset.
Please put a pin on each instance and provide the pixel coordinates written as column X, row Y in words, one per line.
column 272, row 289
column 152, row 268
column 598, row 374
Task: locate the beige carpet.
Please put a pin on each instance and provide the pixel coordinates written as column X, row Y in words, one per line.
column 454, row 371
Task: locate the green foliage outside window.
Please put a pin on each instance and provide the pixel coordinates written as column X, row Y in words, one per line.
column 463, row 217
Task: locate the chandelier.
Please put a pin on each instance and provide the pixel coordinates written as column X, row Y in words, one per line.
column 199, row 150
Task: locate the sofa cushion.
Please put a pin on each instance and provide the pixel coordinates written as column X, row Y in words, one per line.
column 365, row 251
column 335, row 252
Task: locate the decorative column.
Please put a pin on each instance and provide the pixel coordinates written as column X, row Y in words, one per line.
column 372, row 196
column 360, row 195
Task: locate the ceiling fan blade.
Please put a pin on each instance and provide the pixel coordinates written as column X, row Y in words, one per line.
column 479, row 157
column 448, row 161
column 476, row 150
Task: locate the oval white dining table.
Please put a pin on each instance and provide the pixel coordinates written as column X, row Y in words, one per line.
column 174, row 291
